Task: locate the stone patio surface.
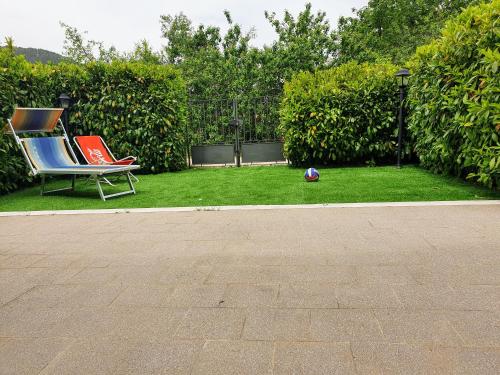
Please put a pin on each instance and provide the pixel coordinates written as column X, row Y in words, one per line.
column 392, row 290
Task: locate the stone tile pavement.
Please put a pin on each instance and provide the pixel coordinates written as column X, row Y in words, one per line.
column 379, row 290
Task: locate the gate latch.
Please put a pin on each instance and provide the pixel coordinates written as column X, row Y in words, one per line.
column 235, row 122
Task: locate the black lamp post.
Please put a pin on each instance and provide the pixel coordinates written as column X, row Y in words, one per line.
column 402, row 78
column 235, row 122
column 64, row 101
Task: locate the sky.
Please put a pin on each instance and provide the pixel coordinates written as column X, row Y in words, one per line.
column 122, row 23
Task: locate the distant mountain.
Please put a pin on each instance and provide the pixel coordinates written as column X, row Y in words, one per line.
column 39, row 55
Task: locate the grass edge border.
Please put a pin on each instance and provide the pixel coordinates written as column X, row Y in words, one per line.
column 482, row 202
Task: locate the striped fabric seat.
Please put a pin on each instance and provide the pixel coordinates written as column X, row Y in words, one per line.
column 50, row 153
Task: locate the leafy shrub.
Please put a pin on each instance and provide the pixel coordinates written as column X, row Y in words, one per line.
column 15, row 81
column 455, row 97
column 138, row 109
column 341, row 115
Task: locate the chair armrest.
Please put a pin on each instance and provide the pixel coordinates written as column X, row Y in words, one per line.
column 128, row 158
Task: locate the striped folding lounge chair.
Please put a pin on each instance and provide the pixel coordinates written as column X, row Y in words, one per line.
column 53, row 155
column 96, row 152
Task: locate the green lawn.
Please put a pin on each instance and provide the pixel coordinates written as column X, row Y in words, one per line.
column 258, row 185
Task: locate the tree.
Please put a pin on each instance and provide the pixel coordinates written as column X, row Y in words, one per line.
column 145, row 54
column 9, row 45
column 304, row 43
column 183, row 40
column 212, row 64
column 392, row 29
column 78, row 49
column 83, row 51
column 225, row 64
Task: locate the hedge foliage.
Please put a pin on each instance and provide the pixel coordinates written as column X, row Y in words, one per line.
column 15, row 78
column 341, row 115
column 455, row 97
column 138, row 109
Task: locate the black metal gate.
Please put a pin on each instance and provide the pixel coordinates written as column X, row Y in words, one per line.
column 234, row 131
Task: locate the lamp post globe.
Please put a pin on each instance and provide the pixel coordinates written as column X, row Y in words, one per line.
column 64, row 101
column 403, row 77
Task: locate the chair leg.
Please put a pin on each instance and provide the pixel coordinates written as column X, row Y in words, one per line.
column 129, row 175
column 43, row 185
column 107, row 181
column 70, row 188
column 135, row 178
column 99, row 188
column 104, row 197
column 104, row 179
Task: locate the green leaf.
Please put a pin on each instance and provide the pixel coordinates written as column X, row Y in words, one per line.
column 494, row 67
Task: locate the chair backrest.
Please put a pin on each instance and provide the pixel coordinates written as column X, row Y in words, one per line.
column 48, row 152
column 34, row 120
column 93, row 149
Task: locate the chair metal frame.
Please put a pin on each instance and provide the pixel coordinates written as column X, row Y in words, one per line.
column 93, row 174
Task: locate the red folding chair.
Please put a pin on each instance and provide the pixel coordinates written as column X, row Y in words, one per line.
column 96, row 152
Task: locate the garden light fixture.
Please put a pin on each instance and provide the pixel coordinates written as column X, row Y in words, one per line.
column 64, row 101
column 402, row 77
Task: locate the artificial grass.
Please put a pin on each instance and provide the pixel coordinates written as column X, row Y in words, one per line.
column 276, row 184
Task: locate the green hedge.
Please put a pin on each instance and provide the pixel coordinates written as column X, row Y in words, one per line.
column 15, row 82
column 138, row 109
column 341, row 115
column 455, row 97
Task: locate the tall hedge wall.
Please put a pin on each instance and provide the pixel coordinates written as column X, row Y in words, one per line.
column 138, row 109
column 455, row 97
column 342, row 115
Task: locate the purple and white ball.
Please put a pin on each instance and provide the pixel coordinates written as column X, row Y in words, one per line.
column 312, row 175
